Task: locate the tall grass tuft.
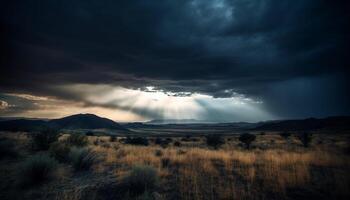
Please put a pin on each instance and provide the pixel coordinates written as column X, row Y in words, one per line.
column 59, row 151
column 141, row 179
column 36, row 169
column 82, row 158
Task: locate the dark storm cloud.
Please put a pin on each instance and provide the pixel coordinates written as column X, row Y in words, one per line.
column 257, row 48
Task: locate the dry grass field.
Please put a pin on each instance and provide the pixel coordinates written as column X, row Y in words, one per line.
column 183, row 168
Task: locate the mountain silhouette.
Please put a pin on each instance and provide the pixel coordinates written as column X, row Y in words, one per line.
column 79, row 121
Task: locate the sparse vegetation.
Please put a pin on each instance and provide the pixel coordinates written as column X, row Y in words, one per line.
column 247, row 139
column 193, row 170
column 43, row 139
column 214, row 140
column 36, row 169
column 82, row 158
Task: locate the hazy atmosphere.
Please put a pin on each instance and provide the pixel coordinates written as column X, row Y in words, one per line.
column 218, row 61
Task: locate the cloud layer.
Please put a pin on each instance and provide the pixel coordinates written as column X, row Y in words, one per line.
column 290, row 55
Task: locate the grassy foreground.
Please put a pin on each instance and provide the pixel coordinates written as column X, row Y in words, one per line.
column 102, row 167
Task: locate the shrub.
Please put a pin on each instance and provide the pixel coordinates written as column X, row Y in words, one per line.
column 43, row 139
column 82, row 158
column 247, row 139
column 7, row 148
column 77, row 140
column 305, row 138
column 113, row 138
column 141, row 179
column 177, row 143
column 59, row 151
column 285, row 135
column 90, row 133
column 36, row 169
column 214, row 140
column 158, row 141
column 163, row 142
column 186, row 138
column 136, row 141
column 158, row 152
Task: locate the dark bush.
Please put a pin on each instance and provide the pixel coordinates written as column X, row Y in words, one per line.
column 285, row 135
column 78, row 140
column 214, row 140
column 164, row 145
column 180, row 152
column 186, row 138
column 113, row 138
column 158, row 152
column 136, row 141
column 305, row 138
column 177, row 143
column 163, row 142
column 82, row 158
column 36, row 169
column 7, row 148
column 59, row 151
column 247, row 139
column 158, row 140
column 43, row 139
column 141, row 179
column 90, row 133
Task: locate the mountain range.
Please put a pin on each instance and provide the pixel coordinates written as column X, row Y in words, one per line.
column 91, row 121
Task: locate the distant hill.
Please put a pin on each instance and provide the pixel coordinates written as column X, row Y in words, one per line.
column 79, row 121
column 329, row 123
column 85, row 121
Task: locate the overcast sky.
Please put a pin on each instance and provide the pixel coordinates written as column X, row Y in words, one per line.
column 212, row 60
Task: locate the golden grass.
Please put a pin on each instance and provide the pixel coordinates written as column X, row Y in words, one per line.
column 201, row 173
column 197, row 172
